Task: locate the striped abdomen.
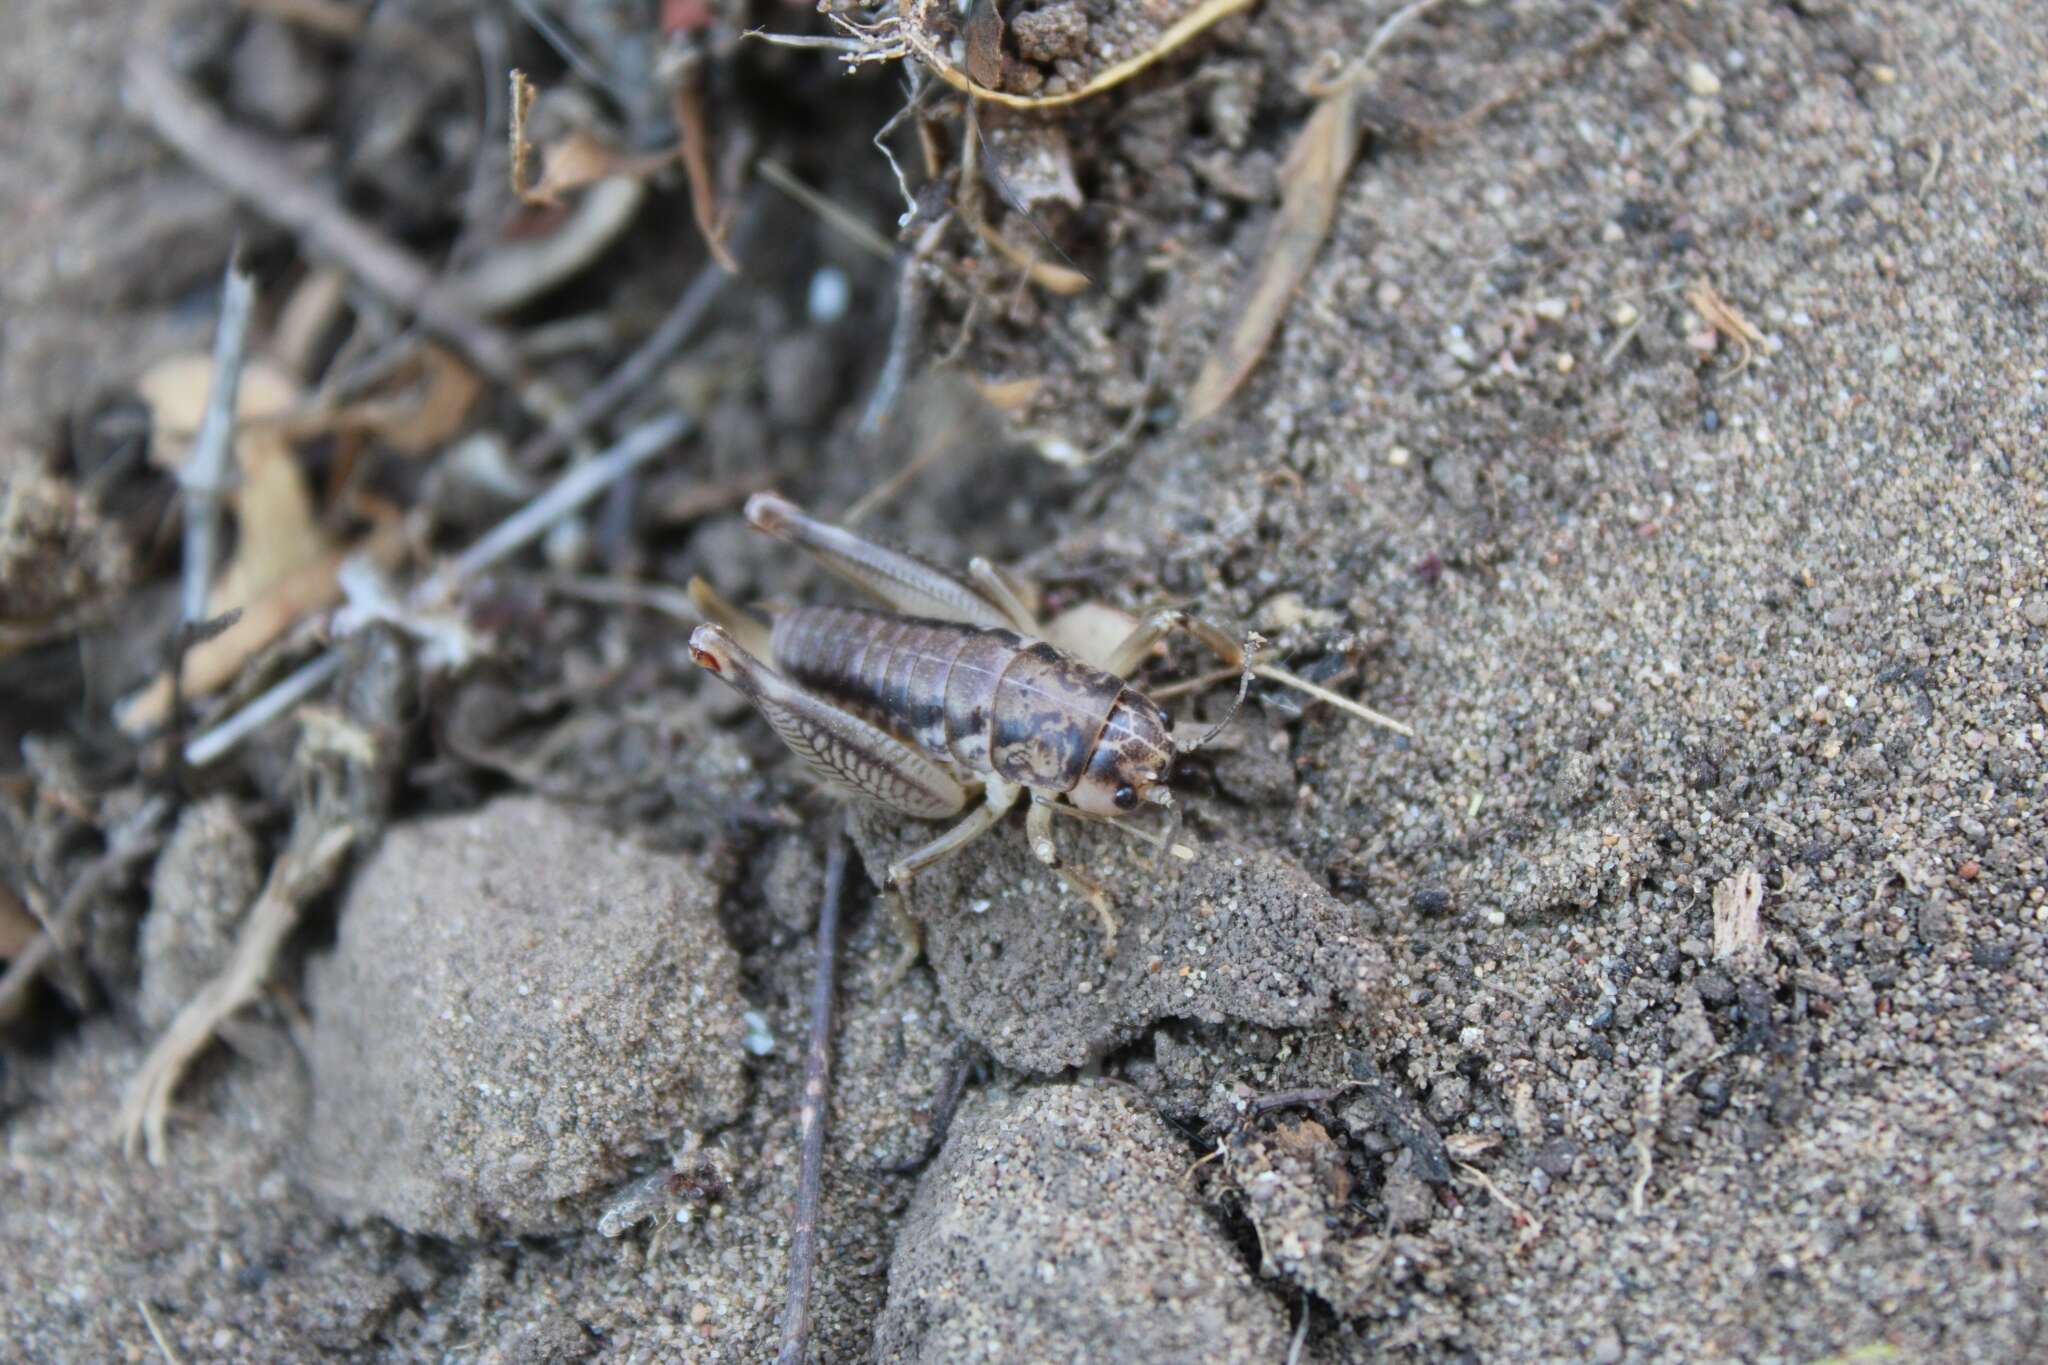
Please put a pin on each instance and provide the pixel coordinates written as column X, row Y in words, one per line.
column 990, row 701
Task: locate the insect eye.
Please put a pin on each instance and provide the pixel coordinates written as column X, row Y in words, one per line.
column 1125, row 798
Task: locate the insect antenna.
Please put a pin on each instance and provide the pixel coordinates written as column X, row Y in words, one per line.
column 1253, row 643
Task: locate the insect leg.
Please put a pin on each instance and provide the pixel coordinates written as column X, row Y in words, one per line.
column 750, row 630
column 1038, row 828
column 841, row 749
column 1155, row 626
column 996, row 588
column 899, row 580
column 997, row 798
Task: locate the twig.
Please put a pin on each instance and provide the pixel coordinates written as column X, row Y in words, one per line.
column 634, row 371
column 307, row 865
column 671, row 602
column 300, row 683
column 251, row 169
column 204, row 475
column 157, row 1333
column 1386, row 33
column 1300, row 1334
column 951, row 1091
column 696, row 150
column 576, row 487
column 1288, row 1099
column 807, row 41
column 803, row 1238
column 1620, row 343
column 519, row 150
column 832, row 214
column 330, row 18
column 918, row 87
column 1649, row 1116
column 585, row 66
column 568, row 493
column 487, row 32
column 910, row 308
column 127, row 844
column 1531, row 1225
column 1275, row 673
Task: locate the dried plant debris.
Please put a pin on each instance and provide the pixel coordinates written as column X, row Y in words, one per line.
column 1318, row 163
column 286, row 564
column 1051, row 56
column 57, row 552
column 1297, row 1188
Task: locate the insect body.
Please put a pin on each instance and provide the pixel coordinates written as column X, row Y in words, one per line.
column 955, row 689
column 986, row 700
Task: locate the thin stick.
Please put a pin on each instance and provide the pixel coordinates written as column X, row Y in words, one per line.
column 1275, row 673
column 803, row 1239
column 304, row 870
column 1385, row 34
column 634, row 371
column 696, row 149
column 204, row 476
column 300, row 683
column 830, row 213
column 910, row 309
column 808, row 41
column 256, row 172
column 611, row 592
column 571, row 491
column 157, row 1333
column 1300, row 1335
column 576, row 487
column 1288, row 1099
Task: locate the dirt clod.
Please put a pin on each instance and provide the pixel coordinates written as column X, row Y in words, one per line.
column 1237, row 934
column 1055, row 1226
column 492, row 972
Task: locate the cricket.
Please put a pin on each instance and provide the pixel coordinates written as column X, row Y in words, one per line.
column 957, row 690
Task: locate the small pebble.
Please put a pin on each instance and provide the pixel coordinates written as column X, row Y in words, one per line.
column 1701, row 80
column 829, row 295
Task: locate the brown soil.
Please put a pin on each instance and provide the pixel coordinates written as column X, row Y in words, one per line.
column 1434, row 1048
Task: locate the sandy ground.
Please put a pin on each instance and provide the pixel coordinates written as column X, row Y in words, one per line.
column 1669, row 609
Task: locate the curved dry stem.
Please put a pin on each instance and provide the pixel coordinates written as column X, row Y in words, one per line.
column 304, row 870
column 1189, row 26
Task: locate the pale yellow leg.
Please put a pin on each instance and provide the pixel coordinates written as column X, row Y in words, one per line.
column 1038, row 828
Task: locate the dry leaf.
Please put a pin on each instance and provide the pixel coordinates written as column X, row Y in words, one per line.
column 308, row 317
column 212, row 664
column 984, row 35
column 284, row 563
column 276, row 529
column 1010, row 396
column 439, row 391
column 1310, row 182
column 578, row 159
